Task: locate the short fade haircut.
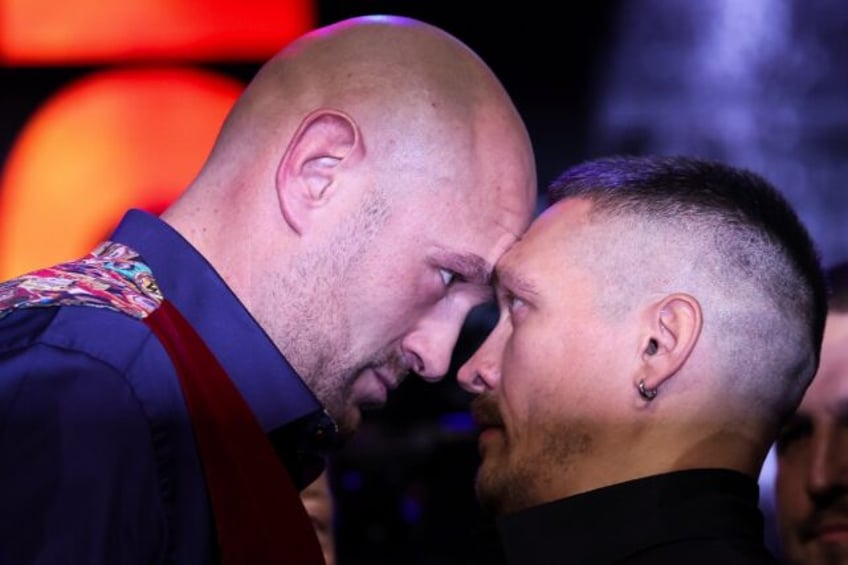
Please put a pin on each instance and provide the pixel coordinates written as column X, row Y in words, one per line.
column 731, row 238
column 837, row 282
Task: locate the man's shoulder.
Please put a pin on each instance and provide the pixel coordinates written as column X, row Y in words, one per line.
column 100, row 339
column 22, row 328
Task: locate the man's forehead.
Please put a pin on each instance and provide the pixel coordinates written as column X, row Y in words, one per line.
column 512, row 272
column 831, row 381
column 828, row 391
column 493, row 219
column 836, row 329
column 557, row 239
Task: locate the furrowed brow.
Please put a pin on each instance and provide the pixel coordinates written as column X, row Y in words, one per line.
column 473, row 269
column 512, row 280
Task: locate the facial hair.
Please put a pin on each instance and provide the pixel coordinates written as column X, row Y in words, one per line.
column 320, row 342
column 804, row 548
column 523, row 471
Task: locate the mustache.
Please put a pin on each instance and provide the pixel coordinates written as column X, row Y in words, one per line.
column 485, row 411
column 823, row 514
column 394, row 364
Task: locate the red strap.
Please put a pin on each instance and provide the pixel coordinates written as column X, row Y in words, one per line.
column 258, row 512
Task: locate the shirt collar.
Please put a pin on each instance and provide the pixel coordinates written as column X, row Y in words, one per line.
column 270, row 386
column 608, row 524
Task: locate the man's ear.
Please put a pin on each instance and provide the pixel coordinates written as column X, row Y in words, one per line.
column 673, row 329
column 307, row 173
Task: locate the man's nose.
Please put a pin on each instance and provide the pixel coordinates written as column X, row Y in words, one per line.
column 828, row 471
column 482, row 372
column 429, row 347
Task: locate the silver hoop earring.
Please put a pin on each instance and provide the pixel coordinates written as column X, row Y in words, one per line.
column 647, row 393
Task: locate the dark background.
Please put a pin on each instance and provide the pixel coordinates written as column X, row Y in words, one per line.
column 761, row 84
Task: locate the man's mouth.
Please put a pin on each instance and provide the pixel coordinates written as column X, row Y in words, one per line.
column 390, row 380
column 487, row 417
column 831, row 530
column 828, row 526
column 485, row 412
column 377, row 388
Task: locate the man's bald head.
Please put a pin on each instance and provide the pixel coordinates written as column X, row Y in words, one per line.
column 406, row 79
column 359, row 194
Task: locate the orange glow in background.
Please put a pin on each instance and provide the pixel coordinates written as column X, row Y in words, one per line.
column 37, row 32
column 119, row 138
column 114, row 140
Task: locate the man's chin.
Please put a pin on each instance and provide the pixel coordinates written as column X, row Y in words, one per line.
column 490, row 501
column 486, row 488
column 350, row 421
column 348, row 424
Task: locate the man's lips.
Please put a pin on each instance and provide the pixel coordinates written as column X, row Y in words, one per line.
column 389, row 380
column 485, row 412
column 828, row 525
column 831, row 530
column 392, row 370
column 378, row 387
column 488, row 434
column 487, row 417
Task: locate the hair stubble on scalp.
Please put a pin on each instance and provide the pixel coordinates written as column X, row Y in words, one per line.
column 731, row 239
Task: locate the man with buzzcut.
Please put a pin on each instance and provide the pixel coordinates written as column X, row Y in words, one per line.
column 658, row 324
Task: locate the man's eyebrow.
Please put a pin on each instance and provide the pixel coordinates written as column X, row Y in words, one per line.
column 472, row 268
column 505, row 277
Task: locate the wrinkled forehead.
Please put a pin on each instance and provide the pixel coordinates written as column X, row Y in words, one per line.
column 485, row 223
column 552, row 237
column 489, row 251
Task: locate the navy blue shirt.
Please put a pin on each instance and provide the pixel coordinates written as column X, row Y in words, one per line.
column 97, row 458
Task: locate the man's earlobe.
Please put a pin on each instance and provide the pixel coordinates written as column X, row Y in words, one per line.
column 307, row 175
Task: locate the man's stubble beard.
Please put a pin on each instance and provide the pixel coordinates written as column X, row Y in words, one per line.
column 320, row 340
column 525, row 480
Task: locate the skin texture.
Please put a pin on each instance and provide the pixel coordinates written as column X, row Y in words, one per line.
column 557, row 379
column 551, row 422
column 812, row 478
column 357, row 199
column 318, row 500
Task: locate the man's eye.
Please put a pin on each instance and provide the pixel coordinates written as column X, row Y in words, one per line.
column 512, row 302
column 793, row 432
column 448, row 276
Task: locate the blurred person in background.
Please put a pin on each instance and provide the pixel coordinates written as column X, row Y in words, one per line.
column 812, row 450
column 320, row 505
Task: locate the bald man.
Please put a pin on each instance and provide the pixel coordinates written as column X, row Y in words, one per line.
column 164, row 398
